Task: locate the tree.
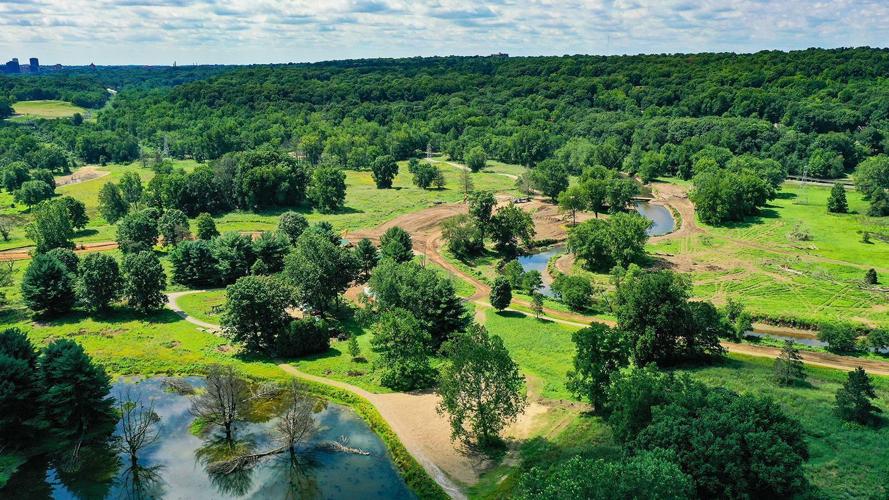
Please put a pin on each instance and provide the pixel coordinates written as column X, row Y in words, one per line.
column 836, row 203
column 173, row 226
column 270, row 249
column 367, row 256
column 426, row 175
column 475, row 158
column 501, row 293
column 33, row 192
column 853, row 399
column 137, row 231
column 327, row 189
column 602, row 244
column 13, row 175
column 427, row 294
column 194, row 264
column 47, row 286
column 872, row 175
column 354, row 348
column 652, row 309
column 462, row 235
column 292, row 224
column 573, row 199
column 396, row 244
column 144, row 282
column 536, row 303
column 550, row 178
column 575, row 291
column 67, row 257
column 75, row 395
column 99, row 283
column 224, row 401
column 319, row 271
column 206, row 227
column 131, row 187
column 870, row 277
column 309, row 335
column 879, row 203
column 600, row 352
column 383, row 170
column 20, row 388
column 76, row 210
column 466, row 184
column 840, row 337
column 51, row 227
column 112, row 204
column 789, row 367
column 296, row 423
column 403, row 345
column 138, row 426
column 647, row 475
column 481, row 209
column 255, row 312
column 481, row 387
column 510, row 225
column 234, row 256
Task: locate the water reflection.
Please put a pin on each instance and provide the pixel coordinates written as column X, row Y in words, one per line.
column 660, row 217
column 538, row 262
column 175, row 465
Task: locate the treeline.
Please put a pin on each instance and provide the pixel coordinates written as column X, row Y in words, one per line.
column 802, row 107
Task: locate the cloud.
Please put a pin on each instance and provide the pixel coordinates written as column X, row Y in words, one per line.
column 255, row 31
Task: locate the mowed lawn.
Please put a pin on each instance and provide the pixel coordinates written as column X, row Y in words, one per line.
column 45, row 109
column 776, row 276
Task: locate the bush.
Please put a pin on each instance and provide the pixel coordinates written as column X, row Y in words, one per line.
column 304, row 336
column 839, row 337
column 575, row 292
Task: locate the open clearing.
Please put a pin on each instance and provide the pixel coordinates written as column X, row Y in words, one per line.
column 44, row 109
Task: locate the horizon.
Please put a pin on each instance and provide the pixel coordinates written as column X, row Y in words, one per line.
column 159, row 32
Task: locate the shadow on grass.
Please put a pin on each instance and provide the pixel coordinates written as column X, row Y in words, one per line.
column 511, row 314
column 85, row 232
column 112, row 316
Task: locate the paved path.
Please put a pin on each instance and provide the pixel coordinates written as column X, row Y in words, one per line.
column 172, row 304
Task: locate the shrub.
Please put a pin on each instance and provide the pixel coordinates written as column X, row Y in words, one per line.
column 302, row 337
column 840, row 337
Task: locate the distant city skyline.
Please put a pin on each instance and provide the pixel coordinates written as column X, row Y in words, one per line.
column 159, row 32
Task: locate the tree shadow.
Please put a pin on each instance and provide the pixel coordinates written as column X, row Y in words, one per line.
column 115, row 315
column 511, row 314
column 83, row 233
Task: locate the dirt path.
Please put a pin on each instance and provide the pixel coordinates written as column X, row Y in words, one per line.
column 24, row 253
column 172, row 304
column 83, row 174
column 823, row 359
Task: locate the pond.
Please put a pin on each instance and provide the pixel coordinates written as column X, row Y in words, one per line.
column 537, row 262
column 660, row 216
column 799, row 339
column 171, row 468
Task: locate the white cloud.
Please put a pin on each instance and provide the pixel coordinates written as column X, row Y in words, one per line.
column 248, row 31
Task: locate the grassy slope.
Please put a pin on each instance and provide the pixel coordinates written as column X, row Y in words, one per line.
column 45, row 109
column 205, row 306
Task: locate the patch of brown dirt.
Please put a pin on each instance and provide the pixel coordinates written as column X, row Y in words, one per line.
column 83, row 174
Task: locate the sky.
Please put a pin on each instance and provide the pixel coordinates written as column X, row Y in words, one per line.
column 160, row 32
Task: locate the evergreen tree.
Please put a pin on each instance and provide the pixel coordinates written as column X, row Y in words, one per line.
column 67, row 257
column 367, row 256
column 870, row 277
column 48, row 286
column 536, row 303
column 144, row 282
column 853, row 400
column 99, row 282
column 396, row 244
column 501, row 293
column 75, row 392
column 836, row 203
column 206, row 227
column 789, row 368
column 19, row 387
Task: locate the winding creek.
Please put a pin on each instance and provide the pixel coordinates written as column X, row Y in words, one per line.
column 171, row 467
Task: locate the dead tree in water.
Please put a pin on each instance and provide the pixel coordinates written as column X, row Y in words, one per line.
column 225, row 399
column 296, row 422
column 138, row 426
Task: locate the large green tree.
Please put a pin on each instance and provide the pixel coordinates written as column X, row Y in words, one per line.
column 854, row 400
column 112, row 204
column 481, row 387
column 137, row 231
column 396, row 244
column 256, row 312
column 384, row 169
column 51, row 227
column 20, row 388
column 99, row 283
column 144, row 281
column 403, row 345
column 327, row 189
column 319, row 271
column 48, row 286
column 600, row 351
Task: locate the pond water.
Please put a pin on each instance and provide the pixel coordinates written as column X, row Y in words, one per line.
column 537, row 262
column 660, row 216
column 799, row 339
column 171, row 466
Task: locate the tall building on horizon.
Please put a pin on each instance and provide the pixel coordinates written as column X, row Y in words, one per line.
column 35, row 65
column 12, row 66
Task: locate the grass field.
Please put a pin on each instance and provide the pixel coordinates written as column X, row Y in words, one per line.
column 205, row 306
column 44, row 109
